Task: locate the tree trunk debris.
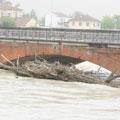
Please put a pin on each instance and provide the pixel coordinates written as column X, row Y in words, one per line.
column 56, row 71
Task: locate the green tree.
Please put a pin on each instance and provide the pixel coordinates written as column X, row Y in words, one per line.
column 7, row 22
column 107, row 22
column 116, row 21
column 33, row 14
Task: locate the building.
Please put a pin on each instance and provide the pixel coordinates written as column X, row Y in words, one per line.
column 75, row 21
column 8, row 10
column 26, row 22
column 82, row 21
column 56, row 19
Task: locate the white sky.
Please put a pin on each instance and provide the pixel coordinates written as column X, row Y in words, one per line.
column 96, row 8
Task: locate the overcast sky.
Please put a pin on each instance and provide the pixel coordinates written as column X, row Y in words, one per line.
column 96, row 8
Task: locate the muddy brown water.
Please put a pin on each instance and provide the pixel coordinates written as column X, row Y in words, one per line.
column 24, row 98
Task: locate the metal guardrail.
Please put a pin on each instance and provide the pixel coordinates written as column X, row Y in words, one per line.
column 65, row 35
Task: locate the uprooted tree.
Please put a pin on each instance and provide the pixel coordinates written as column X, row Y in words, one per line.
column 42, row 69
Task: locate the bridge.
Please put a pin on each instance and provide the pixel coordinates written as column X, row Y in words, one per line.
column 74, row 45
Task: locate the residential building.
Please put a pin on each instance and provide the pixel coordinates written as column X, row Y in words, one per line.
column 76, row 21
column 8, row 10
column 82, row 21
column 56, row 19
column 26, row 22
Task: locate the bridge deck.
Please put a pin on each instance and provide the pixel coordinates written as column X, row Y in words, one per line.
column 65, row 35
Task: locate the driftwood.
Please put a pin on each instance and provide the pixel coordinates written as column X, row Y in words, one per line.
column 7, row 59
column 56, row 71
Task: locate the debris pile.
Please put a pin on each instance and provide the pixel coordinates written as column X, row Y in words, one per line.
column 56, row 71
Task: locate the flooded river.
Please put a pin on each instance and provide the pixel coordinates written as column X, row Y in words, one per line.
column 34, row 99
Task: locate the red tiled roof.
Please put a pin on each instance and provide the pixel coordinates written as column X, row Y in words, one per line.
column 82, row 17
column 22, row 21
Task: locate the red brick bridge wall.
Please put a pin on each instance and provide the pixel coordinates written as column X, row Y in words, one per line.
column 106, row 57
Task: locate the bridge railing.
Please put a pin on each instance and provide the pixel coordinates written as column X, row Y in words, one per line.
column 66, row 35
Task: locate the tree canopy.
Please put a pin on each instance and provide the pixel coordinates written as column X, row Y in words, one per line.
column 109, row 22
column 33, row 14
column 7, row 22
column 116, row 21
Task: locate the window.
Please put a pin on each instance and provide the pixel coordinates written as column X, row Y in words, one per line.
column 87, row 23
column 80, row 23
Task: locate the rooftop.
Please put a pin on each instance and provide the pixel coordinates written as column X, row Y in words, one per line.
column 22, row 21
column 60, row 14
column 78, row 16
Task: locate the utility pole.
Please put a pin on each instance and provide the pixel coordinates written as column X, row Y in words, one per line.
column 51, row 12
column 51, row 24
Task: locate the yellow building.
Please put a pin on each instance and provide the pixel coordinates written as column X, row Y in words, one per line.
column 81, row 21
column 8, row 10
column 26, row 22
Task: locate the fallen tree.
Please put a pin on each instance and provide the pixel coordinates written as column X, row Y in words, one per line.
column 56, row 71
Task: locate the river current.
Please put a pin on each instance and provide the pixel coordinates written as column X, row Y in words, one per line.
column 24, row 98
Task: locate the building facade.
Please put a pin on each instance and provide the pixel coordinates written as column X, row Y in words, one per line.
column 81, row 21
column 56, row 19
column 75, row 21
column 8, row 10
column 26, row 22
